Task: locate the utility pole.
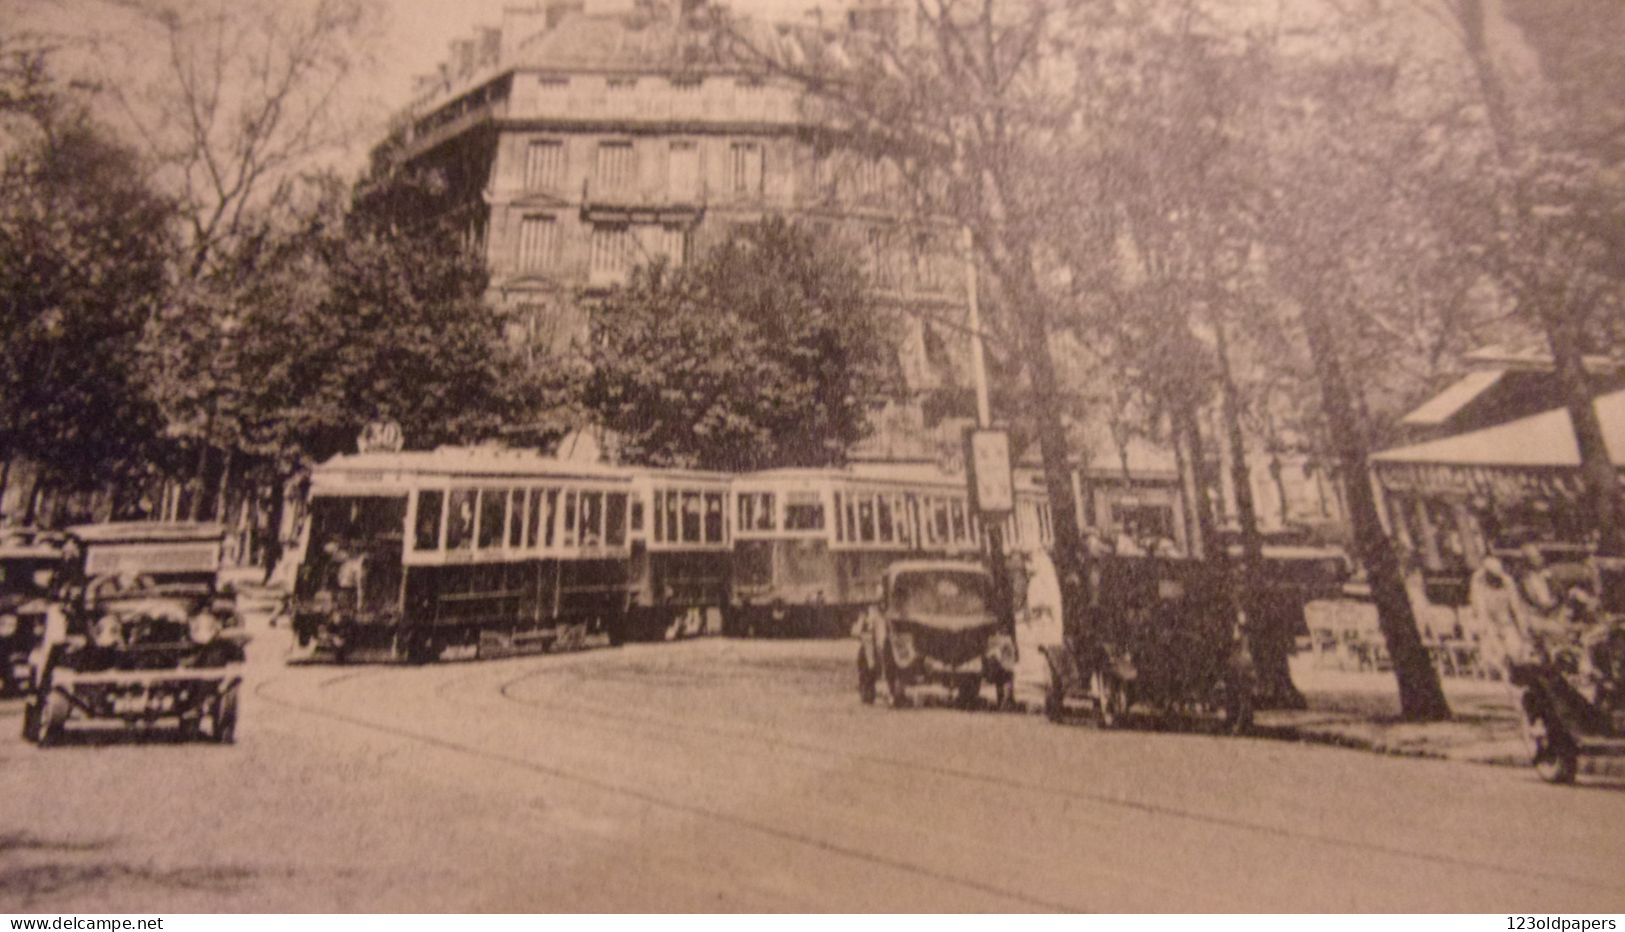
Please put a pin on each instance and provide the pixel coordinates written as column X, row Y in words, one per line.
column 992, row 522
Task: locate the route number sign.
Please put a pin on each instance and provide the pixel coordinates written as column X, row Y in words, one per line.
column 987, row 461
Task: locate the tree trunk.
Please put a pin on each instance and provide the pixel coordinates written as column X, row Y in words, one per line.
column 1271, row 617
column 1421, row 699
column 1032, row 329
column 273, row 542
column 5, row 485
column 1597, row 470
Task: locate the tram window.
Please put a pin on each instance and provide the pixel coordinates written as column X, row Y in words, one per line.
column 637, row 515
column 674, row 530
column 905, row 527
column 883, row 520
column 568, row 538
column 426, row 535
column 660, row 517
column 592, row 519
column 690, row 518
column 615, row 519
column 756, row 511
column 548, row 513
column 533, row 519
column 460, row 520
column 493, row 509
column 957, row 509
column 939, row 510
column 840, row 525
column 866, row 520
column 516, row 517
column 803, row 512
column 713, row 517
column 851, row 520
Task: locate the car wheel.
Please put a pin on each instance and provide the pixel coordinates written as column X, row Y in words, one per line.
column 866, row 679
column 53, row 718
column 1110, row 698
column 225, row 718
column 189, row 727
column 967, row 692
column 1235, row 704
column 1005, row 693
column 896, row 684
column 1556, row 760
column 31, row 722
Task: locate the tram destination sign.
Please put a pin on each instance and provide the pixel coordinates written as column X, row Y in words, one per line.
column 987, row 463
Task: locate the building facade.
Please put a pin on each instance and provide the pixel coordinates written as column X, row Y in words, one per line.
column 582, row 142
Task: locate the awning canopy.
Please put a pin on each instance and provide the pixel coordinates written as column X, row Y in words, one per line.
column 1445, row 405
column 1540, row 441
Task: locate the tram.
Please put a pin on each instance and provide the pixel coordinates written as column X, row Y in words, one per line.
column 682, row 553
column 811, row 546
column 463, row 552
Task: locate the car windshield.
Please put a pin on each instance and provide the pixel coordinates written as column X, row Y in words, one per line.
column 941, row 594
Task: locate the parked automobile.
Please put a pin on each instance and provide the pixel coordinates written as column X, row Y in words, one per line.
column 935, row 623
column 137, row 631
column 26, row 572
column 1161, row 634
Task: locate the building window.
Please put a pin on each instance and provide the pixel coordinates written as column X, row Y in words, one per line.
column 544, row 165
column 613, row 254
column 683, row 171
column 622, row 84
column 745, row 168
column 686, row 84
column 669, row 242
column 617, row 167
column 553, row 82
column 882, row 258
column 538, row 243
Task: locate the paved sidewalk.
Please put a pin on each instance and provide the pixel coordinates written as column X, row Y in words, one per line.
column 1361, row 710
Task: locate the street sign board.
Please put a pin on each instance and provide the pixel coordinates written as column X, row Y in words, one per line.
column 987, row 463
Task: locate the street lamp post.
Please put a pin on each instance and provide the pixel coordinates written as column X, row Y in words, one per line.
column 992, row 521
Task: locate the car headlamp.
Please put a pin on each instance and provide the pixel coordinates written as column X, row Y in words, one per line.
column 8, row 625
column 203, row 627
column 109, row 631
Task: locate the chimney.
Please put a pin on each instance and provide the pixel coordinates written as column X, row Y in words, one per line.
column 461, row 59
column 559, row 9
column 518, row 24
column 490, row 47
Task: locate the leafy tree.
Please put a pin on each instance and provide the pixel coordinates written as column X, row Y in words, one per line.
column 1545, row 205
column 768, row 352
column 83, row 257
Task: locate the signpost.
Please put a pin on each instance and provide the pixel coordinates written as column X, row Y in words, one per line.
column 987, row 455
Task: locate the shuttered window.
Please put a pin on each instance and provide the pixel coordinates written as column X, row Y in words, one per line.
column 544, row 165
column 745, row 168
column 617, row 167
column 538, row 243
column 613, row 254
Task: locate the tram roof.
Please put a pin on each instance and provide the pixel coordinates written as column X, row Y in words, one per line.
column 912, row 474
column 131, row 532
column 468, row 461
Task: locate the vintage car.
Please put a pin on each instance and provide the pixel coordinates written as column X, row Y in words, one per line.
column 137, row 632
column 26, row 572
column 935, row 623
column 1162, row 635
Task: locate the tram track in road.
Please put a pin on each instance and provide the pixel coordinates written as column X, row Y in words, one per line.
column 661, row 727
column 1018, row 899
column 563, row 707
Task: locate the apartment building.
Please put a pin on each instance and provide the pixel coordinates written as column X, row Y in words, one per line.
column 581, row 142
